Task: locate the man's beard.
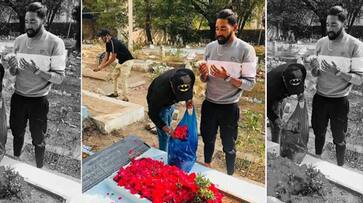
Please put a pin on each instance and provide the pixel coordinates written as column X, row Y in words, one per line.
column 223, row 40
column 333, row 36
column 32, row 33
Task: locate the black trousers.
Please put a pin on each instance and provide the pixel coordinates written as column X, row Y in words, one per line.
column 336, row 111
column 224, row 116
column 34, row 109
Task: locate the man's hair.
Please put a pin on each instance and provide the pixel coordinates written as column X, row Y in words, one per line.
column 38, row 8
column 103, row 32
column 227, row 14
column 338, row 11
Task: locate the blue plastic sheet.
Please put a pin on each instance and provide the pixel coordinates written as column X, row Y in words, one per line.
column 182, row 153
column 295, row 135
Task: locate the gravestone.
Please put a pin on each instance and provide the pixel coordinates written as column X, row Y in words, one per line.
column 101, row 165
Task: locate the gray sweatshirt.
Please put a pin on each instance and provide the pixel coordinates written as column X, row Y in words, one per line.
column 49, row 54
column 222, row 92
column 347, row 49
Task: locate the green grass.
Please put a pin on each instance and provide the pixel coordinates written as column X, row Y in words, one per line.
column 251, row 136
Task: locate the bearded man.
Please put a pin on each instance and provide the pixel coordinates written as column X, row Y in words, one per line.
column 340, row 67
column 39, row 62
column 227, row 59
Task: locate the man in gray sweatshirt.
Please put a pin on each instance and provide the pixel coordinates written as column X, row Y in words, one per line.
column 334, row 81
column 40, row 62
column 225, row 84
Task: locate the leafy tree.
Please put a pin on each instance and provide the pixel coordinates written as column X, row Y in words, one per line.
column 209, row 9
column 54, row 7
column 19, row 8
column 321, row 7
column 288, row 15
column 247, row 10
column 76, row 15
column 6, row 14
column 143, row 12
column 181, row 18
column 353, row 8
column 111, row 14
column 172, row 17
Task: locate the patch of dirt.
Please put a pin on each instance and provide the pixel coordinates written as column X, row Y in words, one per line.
column 353, row 160
column 292, row 183
column 93, row 138
column 229, row 199
column 64, row 110
column 40, row 196
column 53, row 161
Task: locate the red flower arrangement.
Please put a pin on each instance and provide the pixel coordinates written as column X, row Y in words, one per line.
column 161, row 183
column 181, row 132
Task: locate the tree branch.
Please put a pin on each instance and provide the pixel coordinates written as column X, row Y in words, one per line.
column 199, row 9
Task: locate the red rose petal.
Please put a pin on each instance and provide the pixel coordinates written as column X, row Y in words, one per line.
column 160, row 183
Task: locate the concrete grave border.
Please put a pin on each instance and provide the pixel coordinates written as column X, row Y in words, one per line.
column 107, row 123
column 64, row 187
column 337, row 174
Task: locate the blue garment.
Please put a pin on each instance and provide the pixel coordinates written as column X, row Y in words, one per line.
column 182, row 153
column 166, row 115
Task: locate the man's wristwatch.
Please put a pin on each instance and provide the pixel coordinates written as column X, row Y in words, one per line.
column 228, row 78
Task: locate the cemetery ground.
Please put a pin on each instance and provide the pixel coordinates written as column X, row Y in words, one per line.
column 250, row 144
column 280, row 53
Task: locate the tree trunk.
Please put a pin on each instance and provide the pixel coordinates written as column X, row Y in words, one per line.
column 53, row 13
column 148, row 33
column 241, row 29
column 211, row 18
column 322, row 26
column 259, row 37
column 242, row 24
column 21, row 16
column 148, row 22
column 51, row 19
column 352, row 19
column 165, row 38
column 78, row 36
column 212, row 31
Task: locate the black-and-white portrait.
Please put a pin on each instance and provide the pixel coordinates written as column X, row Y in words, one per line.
column 314, row 100
column 40, row 100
